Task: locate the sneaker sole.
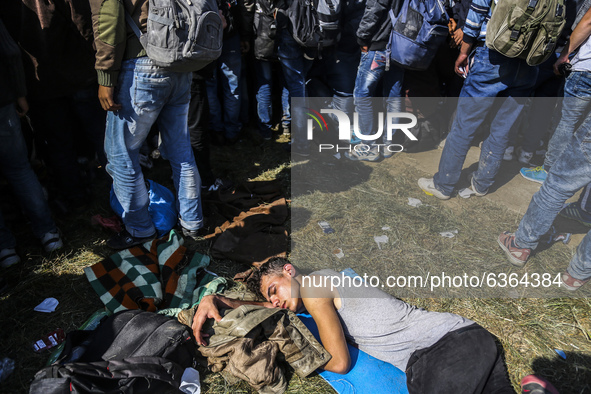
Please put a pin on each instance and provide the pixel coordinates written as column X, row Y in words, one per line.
column 512, row 260
column 530, row 179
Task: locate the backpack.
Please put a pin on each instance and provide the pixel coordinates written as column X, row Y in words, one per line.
column 265, row 28
column 419, row 27
column 315, row 23
column 182, row 35
column 132, row 351
column 526, row 29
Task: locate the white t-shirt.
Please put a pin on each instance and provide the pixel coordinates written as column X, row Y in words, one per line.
column 582, row 60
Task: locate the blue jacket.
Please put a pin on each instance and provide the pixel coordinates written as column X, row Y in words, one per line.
column 475, row 25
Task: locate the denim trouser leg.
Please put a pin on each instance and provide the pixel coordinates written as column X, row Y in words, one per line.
column 571, row 172
column 580, row 265
column 372, row 68
column 576, row 104
column 342, row 70
column 176, row 147
column 264, row 79
column 146, row 92
column 286, row 117
column 225, row 110
column 17, row 170
column 491, row 75
column 585, row 199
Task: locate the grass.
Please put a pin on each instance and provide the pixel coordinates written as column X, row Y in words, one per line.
column 358, row 200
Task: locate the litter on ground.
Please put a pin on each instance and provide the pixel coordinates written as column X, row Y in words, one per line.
column 448, row 234
column 381, row 239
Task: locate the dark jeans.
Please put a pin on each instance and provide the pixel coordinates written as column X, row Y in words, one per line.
column 198, row 125
column 463, row 361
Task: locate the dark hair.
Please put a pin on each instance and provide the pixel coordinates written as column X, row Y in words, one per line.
column 272, row 267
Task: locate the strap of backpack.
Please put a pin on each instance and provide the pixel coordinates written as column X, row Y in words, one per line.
column 133, row 25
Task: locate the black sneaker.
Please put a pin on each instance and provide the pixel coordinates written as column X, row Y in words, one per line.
column 125, row 240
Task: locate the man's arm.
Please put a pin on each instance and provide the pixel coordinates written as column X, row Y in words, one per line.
column 331, row 333
column 462, row 67
column 578, row 37
column 110, row 35
column 375, row 12
column 209, row 308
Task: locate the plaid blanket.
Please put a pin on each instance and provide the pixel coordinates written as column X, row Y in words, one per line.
column 156, row 275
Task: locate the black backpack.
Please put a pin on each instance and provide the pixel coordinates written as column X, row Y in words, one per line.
column 130, row 352
column 265, row 28
column 315, row 23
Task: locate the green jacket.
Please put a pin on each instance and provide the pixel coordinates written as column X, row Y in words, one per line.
column 113, row 38
column 250, row 340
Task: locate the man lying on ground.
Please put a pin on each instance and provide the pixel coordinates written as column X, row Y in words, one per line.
column 440, row 352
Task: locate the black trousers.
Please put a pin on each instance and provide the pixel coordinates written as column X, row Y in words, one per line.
column 463, row 361
column 198, row 124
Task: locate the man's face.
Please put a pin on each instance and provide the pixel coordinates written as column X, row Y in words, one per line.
column 277, row 289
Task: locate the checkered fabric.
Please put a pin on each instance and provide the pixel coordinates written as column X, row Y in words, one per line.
column 156, row 275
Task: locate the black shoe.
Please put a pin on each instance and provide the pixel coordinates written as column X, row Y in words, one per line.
column 125, row 240
column 195, row 235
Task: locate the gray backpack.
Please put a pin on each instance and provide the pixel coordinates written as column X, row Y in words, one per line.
column 526, row 29
column 182, row 35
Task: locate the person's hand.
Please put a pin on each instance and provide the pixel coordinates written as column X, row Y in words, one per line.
column 22, row 106
column 452, row 25
column 207, row 309
column 105, row 95
column 364, row 48
column 458, row 36
column 244, row 46
column 561, row 60
column 461, row 67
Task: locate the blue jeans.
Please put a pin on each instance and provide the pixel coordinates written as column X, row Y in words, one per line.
column 491, row 75
column 17, row 170
column 575, row 107
column 571, row 172
column 371, row 70
column 264, row 76
column 341, row 71
column 150, row 94
column 225, row 110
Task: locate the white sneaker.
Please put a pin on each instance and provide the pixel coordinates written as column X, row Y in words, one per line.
column 429, row 187
column 8, row 257
column 525, row 157
column 508, row 156
column 51, row 241
column 363, row 154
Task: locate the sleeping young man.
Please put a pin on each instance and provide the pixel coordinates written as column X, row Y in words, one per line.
column 439, row 352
